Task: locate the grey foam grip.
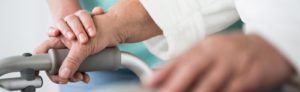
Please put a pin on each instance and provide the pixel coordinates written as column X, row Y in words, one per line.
column 107, row 59
column 20, row 83
column 18, row 63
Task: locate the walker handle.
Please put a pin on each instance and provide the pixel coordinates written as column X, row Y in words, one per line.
column 107, row 59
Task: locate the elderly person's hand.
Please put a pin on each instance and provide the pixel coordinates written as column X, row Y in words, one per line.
column 113, row 27
column 225, row 63
column 80, row 22
column 77, row 23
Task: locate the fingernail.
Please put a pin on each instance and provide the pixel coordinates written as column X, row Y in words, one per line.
column 92, row 32
column 86, row 80
column 53, row 31
column 82, row 37
column 70, row 35
column 65, row 73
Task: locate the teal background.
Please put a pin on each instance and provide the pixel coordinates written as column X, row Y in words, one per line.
column 90, row 4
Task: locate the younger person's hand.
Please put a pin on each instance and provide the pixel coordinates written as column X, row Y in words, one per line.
column 78, row 26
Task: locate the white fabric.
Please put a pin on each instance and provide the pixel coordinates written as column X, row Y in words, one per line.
column 278, row 21
column 186, row 21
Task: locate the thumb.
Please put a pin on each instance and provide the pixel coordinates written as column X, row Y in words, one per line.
column 72, row 62
column 52, row 42
column 97, row 11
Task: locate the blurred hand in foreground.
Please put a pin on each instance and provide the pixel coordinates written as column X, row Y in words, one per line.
column 224, row 63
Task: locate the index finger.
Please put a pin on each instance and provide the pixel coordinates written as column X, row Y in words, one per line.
column 52, row 42
column 87, row 21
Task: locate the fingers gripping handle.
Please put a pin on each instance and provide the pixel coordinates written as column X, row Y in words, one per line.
column 108, row 59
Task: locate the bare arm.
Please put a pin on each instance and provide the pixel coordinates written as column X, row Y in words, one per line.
column 130, row 20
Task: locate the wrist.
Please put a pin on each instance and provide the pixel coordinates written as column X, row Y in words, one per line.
column 59, row 10
column 107, row 28
column 264, row 44
column 133, row 21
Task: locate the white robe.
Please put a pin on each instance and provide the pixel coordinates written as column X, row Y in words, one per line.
column 186, row 21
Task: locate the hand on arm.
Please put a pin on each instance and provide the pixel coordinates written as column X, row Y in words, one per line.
column 69, row 16
column 127, row 21
column 78, row 26
column 71, row 9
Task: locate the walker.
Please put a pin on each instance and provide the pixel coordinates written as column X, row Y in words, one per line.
column 27, row 64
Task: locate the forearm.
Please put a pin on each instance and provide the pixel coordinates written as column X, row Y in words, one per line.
column 62, row 8
column 131, row 20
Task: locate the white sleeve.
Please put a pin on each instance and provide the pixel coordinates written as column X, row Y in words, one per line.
column 278, row 21
column 186, row 21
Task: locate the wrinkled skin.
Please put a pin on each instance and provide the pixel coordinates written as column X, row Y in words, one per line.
column 113, row 27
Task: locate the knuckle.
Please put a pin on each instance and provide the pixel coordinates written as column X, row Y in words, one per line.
column 59, row 23
column 79, row 32
column 81, row 12
column 89, row 26
column 61, row 26
column 70, row 17
column 215, row 40
column 72, row 61
column 219, row 43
